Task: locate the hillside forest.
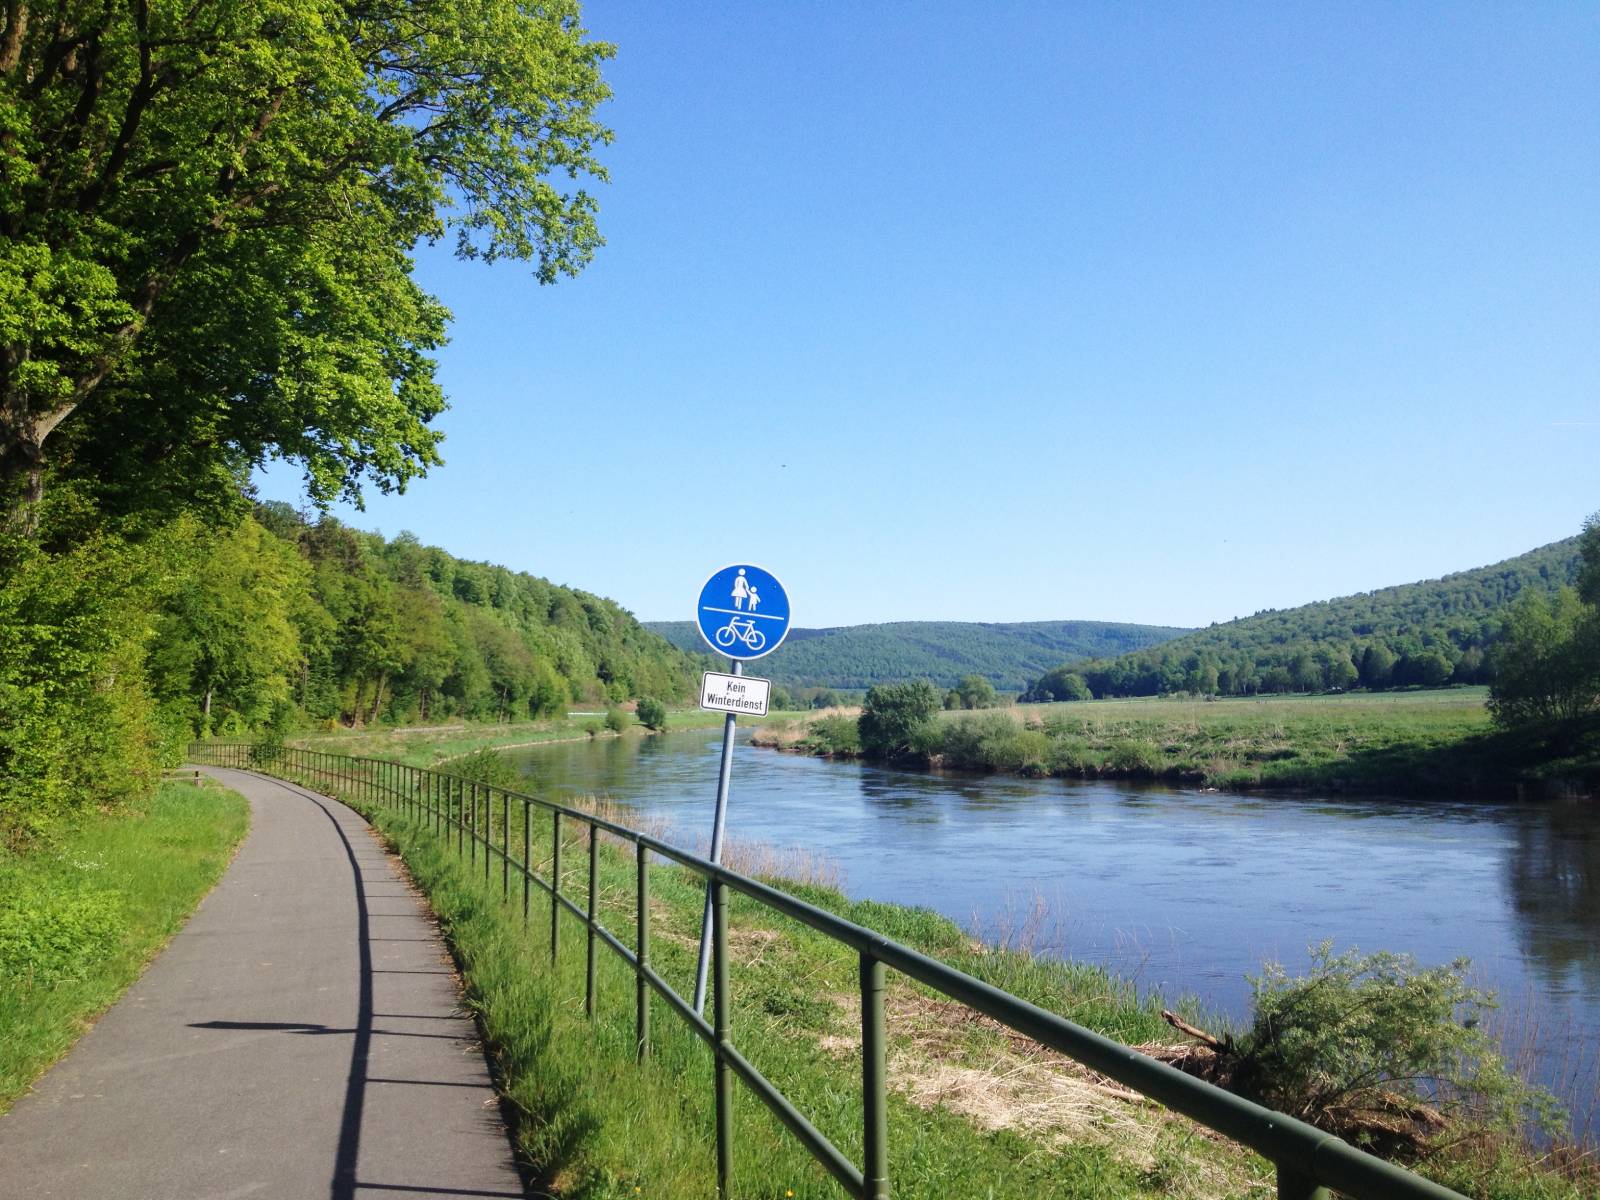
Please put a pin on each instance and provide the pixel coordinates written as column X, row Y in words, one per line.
column 1007, row 654
column 1425, row 634
column 119, row 651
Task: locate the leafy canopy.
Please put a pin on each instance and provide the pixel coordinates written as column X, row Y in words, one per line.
column 207, row 210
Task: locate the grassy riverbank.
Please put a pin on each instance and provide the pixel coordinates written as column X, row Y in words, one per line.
column 1405, row 742
column 80, row 919
column 426, row 746
column 974, row 1109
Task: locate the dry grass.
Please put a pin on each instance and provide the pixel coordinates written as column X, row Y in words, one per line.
column 943, row 1055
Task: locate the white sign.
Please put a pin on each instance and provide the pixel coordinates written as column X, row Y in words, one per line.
column 744, row 694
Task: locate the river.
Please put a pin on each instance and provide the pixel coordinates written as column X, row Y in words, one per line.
column 1185, row 891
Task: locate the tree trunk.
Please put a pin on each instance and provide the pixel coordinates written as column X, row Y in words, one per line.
column 361, row 696
column 377, row 700
column 205, row 708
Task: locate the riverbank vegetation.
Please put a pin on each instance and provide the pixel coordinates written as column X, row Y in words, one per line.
column 79, row 923
column 969, row 1101
column 1394, row 743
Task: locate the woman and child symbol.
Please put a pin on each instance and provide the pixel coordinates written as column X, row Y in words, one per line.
column 744, row 590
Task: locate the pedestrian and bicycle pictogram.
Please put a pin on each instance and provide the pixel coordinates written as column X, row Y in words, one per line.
column 743, row 612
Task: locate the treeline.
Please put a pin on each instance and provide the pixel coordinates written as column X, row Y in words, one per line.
column 118, row 647
column 1422, row 634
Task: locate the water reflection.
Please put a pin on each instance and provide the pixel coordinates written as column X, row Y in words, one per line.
column 1554, row 875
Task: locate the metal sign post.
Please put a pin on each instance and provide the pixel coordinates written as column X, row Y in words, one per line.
column 732, row 602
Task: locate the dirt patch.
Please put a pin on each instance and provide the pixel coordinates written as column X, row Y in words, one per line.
column 945, row 1055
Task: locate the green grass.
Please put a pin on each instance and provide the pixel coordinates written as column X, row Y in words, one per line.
column 1396, row 742
column 81, row 918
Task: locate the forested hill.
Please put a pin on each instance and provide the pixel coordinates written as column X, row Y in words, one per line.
column 1429, row 633
column 366, row 629
column 858, row 656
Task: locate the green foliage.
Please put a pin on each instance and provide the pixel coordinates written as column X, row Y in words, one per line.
column 974, row 691
column 77, row 725
column 616, row 720
column 486, row 766
column 1059, row 684
column 1547, row 666
column 652, row 713
column 79, row 922
column 1357, row 1030
column 174, row 298
column 834, row 734
column 895, row 716
column 54, row 931
column 1414, row 635
column 859, row 656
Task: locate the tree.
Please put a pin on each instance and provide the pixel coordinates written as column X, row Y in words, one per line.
column 974, row 691
column 1377, row 667
column 1547, row 665
column 652, row 713
column 207, row 210
column 894, row 715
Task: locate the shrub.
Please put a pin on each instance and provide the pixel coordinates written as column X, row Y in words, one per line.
column 835, row 734
column 896, row 714
column 487, row 766
column 1363, row 1039
column 652, row 714
column 616, row 720
column 1134, row 756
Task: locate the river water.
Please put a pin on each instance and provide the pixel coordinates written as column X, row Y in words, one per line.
column 1185, row 891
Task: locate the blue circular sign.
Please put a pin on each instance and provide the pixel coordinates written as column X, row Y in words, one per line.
column 743, row 612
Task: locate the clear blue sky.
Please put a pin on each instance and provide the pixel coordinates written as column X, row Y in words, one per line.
column 1012, row 312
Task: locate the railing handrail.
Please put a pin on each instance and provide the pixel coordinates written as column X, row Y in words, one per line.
column 1309, row 1160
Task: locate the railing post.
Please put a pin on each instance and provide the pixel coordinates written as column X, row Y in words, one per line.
column 473, row 853
column 874, row 1083
column 719, row 1013
column 527, row 857
column 555, row 885
column 505, row 847
column 641, row 989
column 1294, row 1186
column 594, row 904
column 488, row 829
column 459, row 788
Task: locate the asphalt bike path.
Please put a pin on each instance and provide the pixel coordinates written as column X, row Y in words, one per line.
column 300, row 1039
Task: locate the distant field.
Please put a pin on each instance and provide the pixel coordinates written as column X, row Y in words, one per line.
column 1422, row 742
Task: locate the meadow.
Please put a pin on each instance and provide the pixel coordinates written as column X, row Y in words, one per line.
column 1402, row 742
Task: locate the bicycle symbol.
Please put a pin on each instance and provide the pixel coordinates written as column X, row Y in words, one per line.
column 744, row 631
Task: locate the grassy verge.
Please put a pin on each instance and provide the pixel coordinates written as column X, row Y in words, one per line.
column 1390, row 742
column 974, row 1109
column 79, row 920
column 426, row 747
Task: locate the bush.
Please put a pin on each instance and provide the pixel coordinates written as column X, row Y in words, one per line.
column 835, row 734
column 487, row 766
column 652, row 714
column 895, row 715
column 616, row 720
column 1362, row 1039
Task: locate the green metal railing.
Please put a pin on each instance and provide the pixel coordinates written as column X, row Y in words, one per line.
column 1309, row 1161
